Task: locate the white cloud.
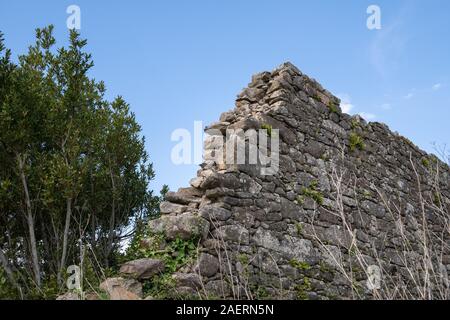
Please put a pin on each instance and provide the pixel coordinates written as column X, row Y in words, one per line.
column 437, row 86
column 346, row 104
column 409, row 96
column 346, row 107
column 367, row 116
column 386, row 106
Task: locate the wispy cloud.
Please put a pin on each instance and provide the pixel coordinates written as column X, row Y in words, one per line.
column 424, row 90
column 386, row 106
column 346, row 104
column 387, row 49
column 437, row 86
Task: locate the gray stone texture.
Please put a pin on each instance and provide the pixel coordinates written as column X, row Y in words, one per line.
column 283, row 235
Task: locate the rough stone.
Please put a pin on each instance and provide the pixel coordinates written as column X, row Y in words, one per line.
column 143, row 268
column 69, row 296
column 191, row 280
column 168, row 207
column 290, row 247
column 215, row 213
column 233, row 233
column 185, row 226
column 207, row 265
column 184, row 196
column 122, row 289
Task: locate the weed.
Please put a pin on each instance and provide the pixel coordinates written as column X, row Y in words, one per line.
column 303, row 288
column 355, row 124
column 261, row 293
column 333, row 107
column 316, row 97
column 243, row 259
column 299, row 228
column 356, row 142
column 267, row 127
column 425, row 162
column 300, row 200
column 313, row 193
column 300, row 265
column 437, row 199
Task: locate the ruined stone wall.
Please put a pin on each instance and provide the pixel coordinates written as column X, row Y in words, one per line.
column 351, row 201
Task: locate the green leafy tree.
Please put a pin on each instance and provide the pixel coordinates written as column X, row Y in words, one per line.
column 74, row 173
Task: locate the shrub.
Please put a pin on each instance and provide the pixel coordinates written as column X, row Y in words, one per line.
column 356, row 142
column 313, row 193
column 425, row 162
column 333, row 107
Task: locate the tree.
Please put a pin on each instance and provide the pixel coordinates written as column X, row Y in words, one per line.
column 74, row 173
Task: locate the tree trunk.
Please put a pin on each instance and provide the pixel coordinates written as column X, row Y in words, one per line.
column 30, row 222
column 9, row 273
column 112, row 222
column 62, row 264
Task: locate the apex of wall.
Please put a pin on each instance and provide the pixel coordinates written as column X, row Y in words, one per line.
column 269, row 92
column 285, row 81
column 349, row 197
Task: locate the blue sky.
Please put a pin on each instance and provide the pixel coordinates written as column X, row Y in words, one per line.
column 176, row 62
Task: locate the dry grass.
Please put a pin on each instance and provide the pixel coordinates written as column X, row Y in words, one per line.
column 417, row 246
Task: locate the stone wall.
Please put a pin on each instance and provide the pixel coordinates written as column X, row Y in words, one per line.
column 351, row 202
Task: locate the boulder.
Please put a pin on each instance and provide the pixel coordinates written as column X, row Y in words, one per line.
column 215, row 180
column 218, row 288
column 289, row 248
column 92, row 296
column 234, row 233
column 191, row 280
column 143, row 268
column 69, row 296
column 122, row 289
column 214, row 213
column 184, row 196
column 167, row 207
column 207, row 265
column 185, row 226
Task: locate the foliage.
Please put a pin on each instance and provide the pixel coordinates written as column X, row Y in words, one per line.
column 261, row 293
column 303, row 288
column 300, row 265
column 313, row 193
column 300, row 200
column 243, row 259
column 324, row 267
column 7, row 291
column 299, row 228
column 333, row 107
column 267, row 127
column 175, row 254
column 316, row 97
column 425, row 162
column 356, row 142
column 355, row 124
column 73, row 167
column 437, row 199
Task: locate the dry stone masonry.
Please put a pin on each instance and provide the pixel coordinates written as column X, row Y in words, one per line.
column 354, row 211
